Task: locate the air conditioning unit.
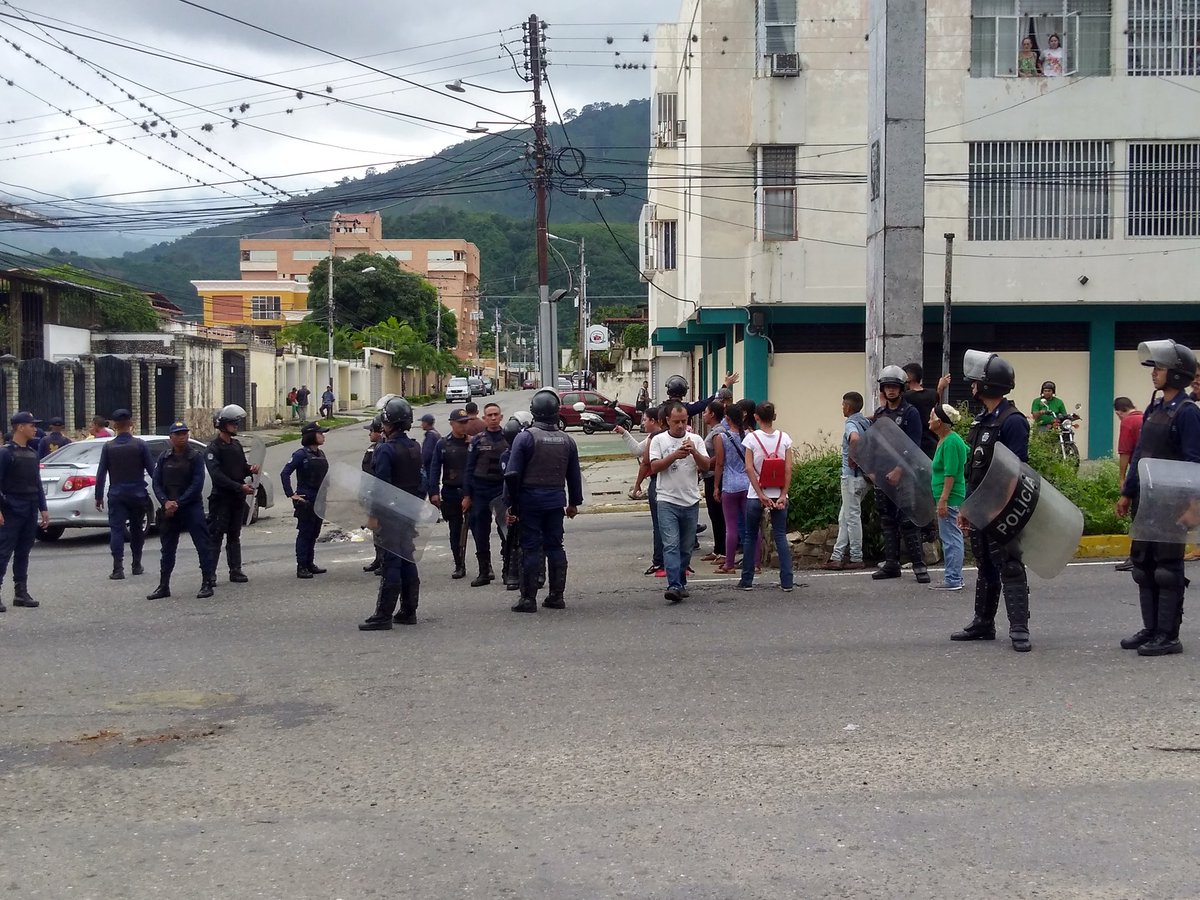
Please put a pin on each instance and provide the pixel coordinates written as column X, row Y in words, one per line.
column 680, row 129
column 785, row 65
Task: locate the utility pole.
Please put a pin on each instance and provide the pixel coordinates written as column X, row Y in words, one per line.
column 329, row 304
column 949, row 236
column 438, row 332
column 496, row 336
column 585, row 355
column 535, row 61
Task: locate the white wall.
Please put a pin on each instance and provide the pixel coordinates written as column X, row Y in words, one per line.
column 1069, row 372
column 807, row 389
column 65, row 343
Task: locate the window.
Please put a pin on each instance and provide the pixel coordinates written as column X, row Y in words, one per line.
column 258, row 256
column 647, row 239
column 999, row 28
column 306, row 255
column 1164, row 37
column 265, row 307
column 665, row 244
column 775, row 29
column 666, row 108
column 1164, row 190
column 775, row 193
column 1039, row 190
column 401, row 255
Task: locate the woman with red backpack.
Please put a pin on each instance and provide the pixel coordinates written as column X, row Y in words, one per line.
column 769, row 467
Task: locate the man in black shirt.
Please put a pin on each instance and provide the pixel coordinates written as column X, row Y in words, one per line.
column 228, row 469
column 124, row 459
column 924, row 400
column 179, row 486
column 22, row 505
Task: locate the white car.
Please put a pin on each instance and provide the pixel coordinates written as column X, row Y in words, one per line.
column 69, row 480
column 458, row 390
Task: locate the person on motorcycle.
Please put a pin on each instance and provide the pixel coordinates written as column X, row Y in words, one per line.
column 1046, row 407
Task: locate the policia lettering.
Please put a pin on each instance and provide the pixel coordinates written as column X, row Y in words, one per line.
column 1016, row 514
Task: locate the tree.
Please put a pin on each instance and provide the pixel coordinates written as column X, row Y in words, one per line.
column 365, row 299
column 635, row 336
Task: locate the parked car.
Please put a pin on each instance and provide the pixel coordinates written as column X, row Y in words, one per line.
column 564, row 383
column 529, row 384
column 69, row 480
column 458, row 390
column 604, row 407
column 476, row 383
column 489, row 387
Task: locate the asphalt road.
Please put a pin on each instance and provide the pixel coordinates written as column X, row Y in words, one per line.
column 827, row 743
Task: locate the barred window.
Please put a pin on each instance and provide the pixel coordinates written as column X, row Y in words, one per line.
column 665, row 244
column 1164, row 37
column 265, row 307
column 775, row 193
column 775, row 27
column 1039, row 190
column 1164, row 190
column 666, row 108
column 999, row 28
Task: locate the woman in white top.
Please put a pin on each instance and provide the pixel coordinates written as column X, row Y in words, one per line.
column 769, row 467
column 1052, row 58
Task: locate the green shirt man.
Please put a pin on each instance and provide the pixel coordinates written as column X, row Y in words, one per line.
column 1046, row 407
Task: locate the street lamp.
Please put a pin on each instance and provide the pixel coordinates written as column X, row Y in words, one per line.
column 460, row 87
column 585, row 355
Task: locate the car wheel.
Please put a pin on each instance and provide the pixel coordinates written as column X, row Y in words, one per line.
column 53, row 533
column 562, row 424
column 588, row 428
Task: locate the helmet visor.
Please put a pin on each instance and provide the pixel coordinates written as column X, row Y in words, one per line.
column 1159, row 353
column 975, row 365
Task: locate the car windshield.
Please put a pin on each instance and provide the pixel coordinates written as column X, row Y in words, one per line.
column 80, row 453
column 458, row 382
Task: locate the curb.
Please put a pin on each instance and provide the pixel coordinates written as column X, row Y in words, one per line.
column 1100, row 546
column 275, row 442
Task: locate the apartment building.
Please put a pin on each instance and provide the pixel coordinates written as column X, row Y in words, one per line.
column 273, row 290
column 1068, row 171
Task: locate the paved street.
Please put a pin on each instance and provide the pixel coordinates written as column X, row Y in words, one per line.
column 827, row 743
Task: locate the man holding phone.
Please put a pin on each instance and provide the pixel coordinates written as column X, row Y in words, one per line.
column 678, row 459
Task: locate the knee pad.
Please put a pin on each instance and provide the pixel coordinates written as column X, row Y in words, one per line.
column 1168, row 577
column 1012, row 570
column 1141, row 577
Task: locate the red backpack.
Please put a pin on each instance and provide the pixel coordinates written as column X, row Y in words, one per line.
column 774, row 467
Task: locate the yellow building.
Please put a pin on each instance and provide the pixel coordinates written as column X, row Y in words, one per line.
column 267, row 304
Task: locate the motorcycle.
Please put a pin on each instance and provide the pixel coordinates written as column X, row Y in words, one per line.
column 1064, row 424
column 591, row 421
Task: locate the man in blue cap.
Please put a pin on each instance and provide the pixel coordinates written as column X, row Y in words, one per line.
column 124, row 459
column 53, row 439
column 22, row 505
column 179, row 487
column 310, row 468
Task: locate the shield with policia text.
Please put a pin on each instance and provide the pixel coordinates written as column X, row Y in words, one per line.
column 256, row 455
column 400, row 522
column 1016, row 507
column 1168, row 509
column 899, row 468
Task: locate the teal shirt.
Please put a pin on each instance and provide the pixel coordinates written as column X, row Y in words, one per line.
column 950, row 459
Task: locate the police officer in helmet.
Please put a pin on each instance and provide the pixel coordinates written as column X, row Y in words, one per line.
column 310, row 468
column 1170, row 430
column 22, row 505
column 896, row 526
column 445, row 482
column 179, row 486
column 228, row 469
column 677, row 389
column 124, row 459
column 542, row 461
column 510, row 532
column 398, row 463
column 483, row 482
column 374, row 429
column 992, row 378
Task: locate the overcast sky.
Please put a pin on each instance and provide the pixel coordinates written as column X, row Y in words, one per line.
column 46, row 152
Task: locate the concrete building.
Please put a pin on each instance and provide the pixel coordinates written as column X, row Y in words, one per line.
column 1074, row 198
column 273, row 291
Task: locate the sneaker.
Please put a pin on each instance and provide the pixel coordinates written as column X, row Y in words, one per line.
column 854, row 564
column 660, row 573
column 684, row 593
column 945, row 587
column 833, row 564
column 745, row 587
column 674, row 595
column 788, row 590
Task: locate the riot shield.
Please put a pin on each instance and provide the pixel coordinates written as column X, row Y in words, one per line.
column 400, row 522
column 899, row 468
column 1168, row 510
column 1025, row 513
column 256, row 454
column 499, row 509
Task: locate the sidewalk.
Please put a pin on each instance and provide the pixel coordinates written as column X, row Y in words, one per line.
column 607, row 483
column 274, row 434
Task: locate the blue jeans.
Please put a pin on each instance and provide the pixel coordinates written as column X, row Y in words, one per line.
column 952, row 546
column 783, row 550
column 657, row 559
column 678, row 527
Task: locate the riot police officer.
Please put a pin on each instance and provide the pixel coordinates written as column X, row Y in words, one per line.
column 446, row 471
column 992, row 378
column 22, row 505
column 374, row 435
column 124, row 459
column 510, row 532
column 483, row 483
column 228, row 469
column 398, row 463
column 543, row 460
column 1170, row 430
column 179, row 486
column 896, row 526
column 677, row 389
column 310, row 467
column 53, row 439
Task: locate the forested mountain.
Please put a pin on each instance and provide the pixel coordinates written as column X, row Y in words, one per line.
column 477, row 189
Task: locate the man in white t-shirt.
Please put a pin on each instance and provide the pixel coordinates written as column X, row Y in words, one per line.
column 678, row 459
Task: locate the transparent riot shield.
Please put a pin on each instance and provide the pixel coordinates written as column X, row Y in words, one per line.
column 1025, row 513
column 256, row 454
column 400, row 522
column 899, row 468
column 500, row 513
column 1168, row 509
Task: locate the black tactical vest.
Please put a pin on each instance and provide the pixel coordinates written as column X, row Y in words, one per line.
column 125, row 461
column 982, row 440
column 547, row 466
column 313, row 472
column 24, row 471
column 1159, row 439
column 487, row 459
column 406, row 465
column 177, row 471
column 454, row 461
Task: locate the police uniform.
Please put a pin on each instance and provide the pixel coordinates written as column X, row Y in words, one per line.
column 310, row 468
column 483, row 482
column 124, row 460
column 543, row 461
column 53, row 440
column 429, row 442
column 179, row 477
column 228, row 469
column 22, row 500
column 446, row 472
column 897, row 528
column 398, row 463
column 368, row 466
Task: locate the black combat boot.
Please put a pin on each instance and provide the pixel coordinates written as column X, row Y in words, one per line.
column 233, row 556
column 21, row 596
column 1148, row 600
column 912, row 543
column 485, row 571
column 374, row 565
column 558, row 585
column 1170, row 616
column 208, row 581
column 163, row 590
column 315, row 569
column 137, row 565
column 891, row 553
column 410, row 598
column 1016, row 603
column 301, row 572
column 385, row 605
column 529, row 590
column 983, row 626
column 118, row 572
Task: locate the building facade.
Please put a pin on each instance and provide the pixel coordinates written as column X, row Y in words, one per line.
column 1070, row 179
column 273, row 291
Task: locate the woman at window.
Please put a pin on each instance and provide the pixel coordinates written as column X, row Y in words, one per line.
column 1029, row 65
column 1052, row 59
